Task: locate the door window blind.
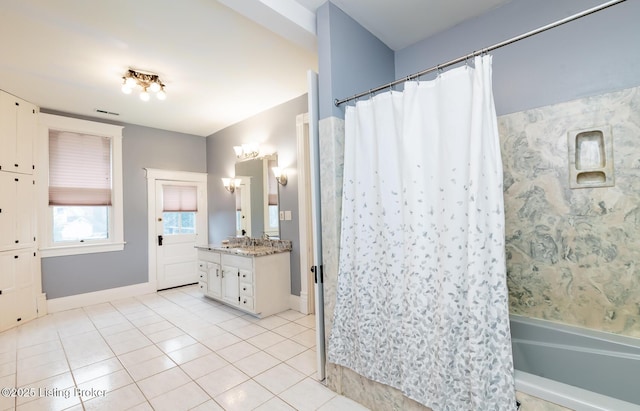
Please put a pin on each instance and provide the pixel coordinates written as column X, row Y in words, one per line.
column 79, row 169
column 179, row 198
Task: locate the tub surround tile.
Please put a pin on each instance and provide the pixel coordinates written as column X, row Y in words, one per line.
column 529, row 403
column 572, row 254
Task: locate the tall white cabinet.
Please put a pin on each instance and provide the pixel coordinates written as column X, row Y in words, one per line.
column 20, row 283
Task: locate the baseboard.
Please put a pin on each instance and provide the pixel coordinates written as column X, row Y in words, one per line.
column 97, row 297
column 294, row 302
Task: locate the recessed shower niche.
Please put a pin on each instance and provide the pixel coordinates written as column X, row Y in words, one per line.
column 590, row 157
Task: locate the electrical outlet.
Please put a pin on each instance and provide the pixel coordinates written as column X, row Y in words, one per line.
column 287, row 215
column 281, row 215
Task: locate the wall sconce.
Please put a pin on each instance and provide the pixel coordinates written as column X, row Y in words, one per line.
column 231, row 183
column 247, row 151
column 281, row 175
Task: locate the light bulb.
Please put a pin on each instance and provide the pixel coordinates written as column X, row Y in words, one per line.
column 130, row 82
column 144, row 96
column 126, row 89
column 154, row 86
column 161, row 94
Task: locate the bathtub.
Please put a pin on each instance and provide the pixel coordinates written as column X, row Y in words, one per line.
column 576, row 368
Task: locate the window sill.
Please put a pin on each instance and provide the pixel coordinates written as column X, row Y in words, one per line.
column 60, row 251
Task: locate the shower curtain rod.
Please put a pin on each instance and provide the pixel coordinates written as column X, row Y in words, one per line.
column 482, row 51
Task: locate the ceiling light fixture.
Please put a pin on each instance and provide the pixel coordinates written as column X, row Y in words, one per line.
column 148, row 82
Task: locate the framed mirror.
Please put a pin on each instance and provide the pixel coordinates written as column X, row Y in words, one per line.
column 257, row 199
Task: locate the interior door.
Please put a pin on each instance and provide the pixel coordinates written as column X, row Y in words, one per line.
column 177, row 229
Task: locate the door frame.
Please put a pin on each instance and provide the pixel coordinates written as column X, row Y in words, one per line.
column 153, row 175
column 305, row 223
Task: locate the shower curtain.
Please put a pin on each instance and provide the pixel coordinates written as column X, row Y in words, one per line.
column 421, row 294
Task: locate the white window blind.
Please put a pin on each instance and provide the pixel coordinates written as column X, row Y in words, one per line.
column 79, row 169
column 179, row 198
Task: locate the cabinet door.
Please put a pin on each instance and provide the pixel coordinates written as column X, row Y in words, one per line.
column 17, row 293
column 17, row 214
column 18, row 128
column 8, row 132
column 214, row 281
column 8, row 207
column 27, row 127
column 230, row 287
column 25, row 209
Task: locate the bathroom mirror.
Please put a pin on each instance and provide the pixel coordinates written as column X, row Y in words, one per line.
column 257, row 199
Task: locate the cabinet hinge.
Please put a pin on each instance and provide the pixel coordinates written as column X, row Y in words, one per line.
column 0, row 292
column 238, row 273
column 34, row 253
column 238, row 298
column 33, row 166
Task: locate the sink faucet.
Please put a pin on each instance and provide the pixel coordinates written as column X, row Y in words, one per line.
column 265, row 236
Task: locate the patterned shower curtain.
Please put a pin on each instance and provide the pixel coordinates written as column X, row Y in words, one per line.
column 422, row 301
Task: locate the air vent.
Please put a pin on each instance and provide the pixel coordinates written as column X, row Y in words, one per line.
column 111, row 113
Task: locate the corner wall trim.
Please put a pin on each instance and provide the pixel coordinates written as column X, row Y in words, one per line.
column 97, row 297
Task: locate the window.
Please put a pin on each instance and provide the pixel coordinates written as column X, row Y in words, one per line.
column 82, row 179
column 179, row 207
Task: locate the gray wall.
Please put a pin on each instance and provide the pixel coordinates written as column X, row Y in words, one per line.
column 350, row 59
column 275, row 131
column 590, row 56
column 141, row 147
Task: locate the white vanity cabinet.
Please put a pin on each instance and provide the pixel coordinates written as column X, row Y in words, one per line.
column 257, row 284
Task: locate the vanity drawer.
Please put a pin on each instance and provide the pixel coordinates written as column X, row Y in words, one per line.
column 246, row 302
column 246, row 276
column 238, row 261
column 246, row 289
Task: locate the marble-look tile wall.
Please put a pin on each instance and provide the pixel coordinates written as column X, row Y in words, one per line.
column 573, row 255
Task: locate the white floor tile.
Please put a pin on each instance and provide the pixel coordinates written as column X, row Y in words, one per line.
column 290, row 329
column 304, row 362
column 96, row 370
column 286, row 349
column 221, row 380
column 122, row 398
column 275, row 404
column 256, row 363
column 166, row 351
column 163, row 382
column 221, row 341
column 245, row 396
column 210, row 405
column 307, row 395
column 203, row 365
column 184, row 397
column 176, row 343
column 188, row 353
column 150, row 367
column 237, row 351
column 106, row 383
column 341, row 403
column 279, row 378
column 266, row 340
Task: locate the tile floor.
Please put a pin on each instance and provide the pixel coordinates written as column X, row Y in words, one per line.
column 173, row 350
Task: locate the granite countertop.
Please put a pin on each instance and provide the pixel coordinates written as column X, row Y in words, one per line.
column 252, row 251
column 253, row 247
